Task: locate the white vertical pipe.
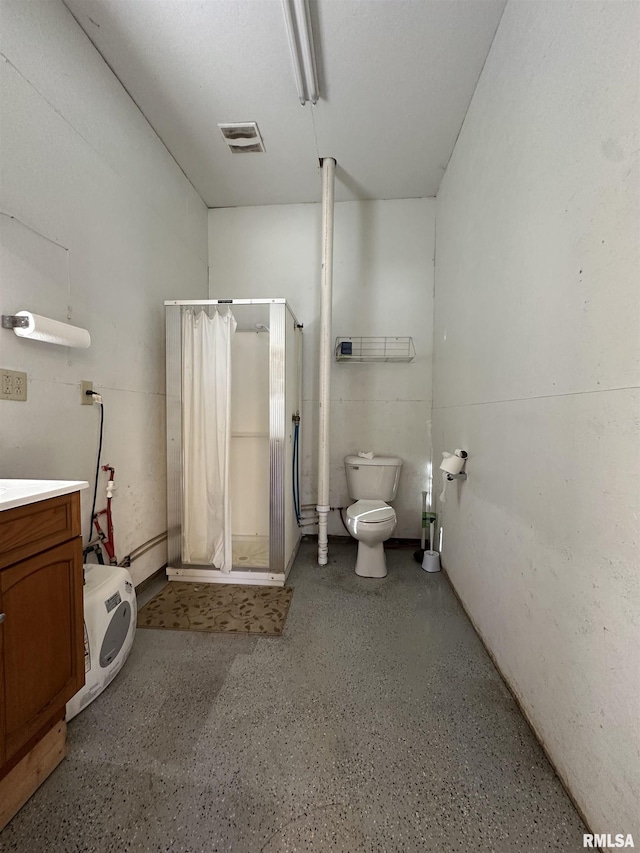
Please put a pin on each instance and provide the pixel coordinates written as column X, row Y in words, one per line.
column 326, row 291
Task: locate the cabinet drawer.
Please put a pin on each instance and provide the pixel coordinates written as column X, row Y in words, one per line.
column 28, row 530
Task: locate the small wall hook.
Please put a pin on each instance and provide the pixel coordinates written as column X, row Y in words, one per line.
column 460, row 476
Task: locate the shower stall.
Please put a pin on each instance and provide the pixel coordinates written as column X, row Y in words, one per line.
column 234, row 373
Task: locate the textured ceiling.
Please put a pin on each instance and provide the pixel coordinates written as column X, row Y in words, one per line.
column 396, row 77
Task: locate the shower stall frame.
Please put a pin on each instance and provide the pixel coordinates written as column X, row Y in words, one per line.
column 279, row 562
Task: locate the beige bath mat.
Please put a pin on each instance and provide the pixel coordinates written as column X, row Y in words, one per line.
column 227, row 608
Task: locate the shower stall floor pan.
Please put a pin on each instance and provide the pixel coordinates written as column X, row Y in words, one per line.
column 250, row 552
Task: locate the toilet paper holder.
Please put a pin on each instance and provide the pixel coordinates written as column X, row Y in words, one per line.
column 461, row 476
column 453, row 463
column 451, row 467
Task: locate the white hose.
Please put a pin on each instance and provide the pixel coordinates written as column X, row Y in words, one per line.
column 326, row 288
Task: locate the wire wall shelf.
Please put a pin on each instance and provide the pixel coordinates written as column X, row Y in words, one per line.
column 363, row 350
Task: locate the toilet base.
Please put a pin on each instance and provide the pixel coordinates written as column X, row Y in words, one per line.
column 371, row 561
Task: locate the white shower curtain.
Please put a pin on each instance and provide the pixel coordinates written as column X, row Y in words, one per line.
column 206, row 424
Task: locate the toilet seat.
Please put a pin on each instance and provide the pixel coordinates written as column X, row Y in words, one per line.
column 370, row 512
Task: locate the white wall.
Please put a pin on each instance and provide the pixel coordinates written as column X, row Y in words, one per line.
column 383, row 285
column 81, row 166
column 536, row 374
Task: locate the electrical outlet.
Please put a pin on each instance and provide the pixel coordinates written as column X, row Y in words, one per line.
column 13, row 385
column 86, row 399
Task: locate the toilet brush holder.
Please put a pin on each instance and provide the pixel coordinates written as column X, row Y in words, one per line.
column 431, row 561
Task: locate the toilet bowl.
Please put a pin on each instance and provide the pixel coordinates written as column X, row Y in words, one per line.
column 370, row 520
column 371, row 523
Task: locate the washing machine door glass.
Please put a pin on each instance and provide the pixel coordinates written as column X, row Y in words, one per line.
column 116, row 633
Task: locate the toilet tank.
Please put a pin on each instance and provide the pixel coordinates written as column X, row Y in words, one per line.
column 373, row 479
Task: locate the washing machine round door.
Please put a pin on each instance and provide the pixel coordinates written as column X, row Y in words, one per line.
column 116, row 633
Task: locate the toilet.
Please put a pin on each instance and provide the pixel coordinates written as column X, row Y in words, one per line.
column 370, row 519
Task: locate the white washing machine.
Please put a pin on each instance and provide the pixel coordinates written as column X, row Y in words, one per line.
column 110, row 613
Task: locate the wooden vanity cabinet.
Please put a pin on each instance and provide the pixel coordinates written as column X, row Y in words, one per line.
column 41, row 637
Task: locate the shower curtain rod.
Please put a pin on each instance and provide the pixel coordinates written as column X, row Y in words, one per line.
column 278, row 301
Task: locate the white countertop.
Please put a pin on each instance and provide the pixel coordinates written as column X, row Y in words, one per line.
column 15, row 493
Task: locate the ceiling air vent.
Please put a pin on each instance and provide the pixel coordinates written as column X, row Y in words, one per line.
column 242, row 137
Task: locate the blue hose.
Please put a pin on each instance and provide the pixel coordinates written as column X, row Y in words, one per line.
column 296, row 469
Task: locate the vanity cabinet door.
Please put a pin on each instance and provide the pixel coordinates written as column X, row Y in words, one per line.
column 2, row 725
column 43, row 640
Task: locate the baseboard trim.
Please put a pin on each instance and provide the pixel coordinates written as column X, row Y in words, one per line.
column 148, row 581
column 518, row 701
column 392, row 543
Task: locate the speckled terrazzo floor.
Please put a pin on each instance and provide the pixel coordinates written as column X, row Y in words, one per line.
column 375, row 723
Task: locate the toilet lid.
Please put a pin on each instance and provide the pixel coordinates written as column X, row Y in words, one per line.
column 371, row 511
